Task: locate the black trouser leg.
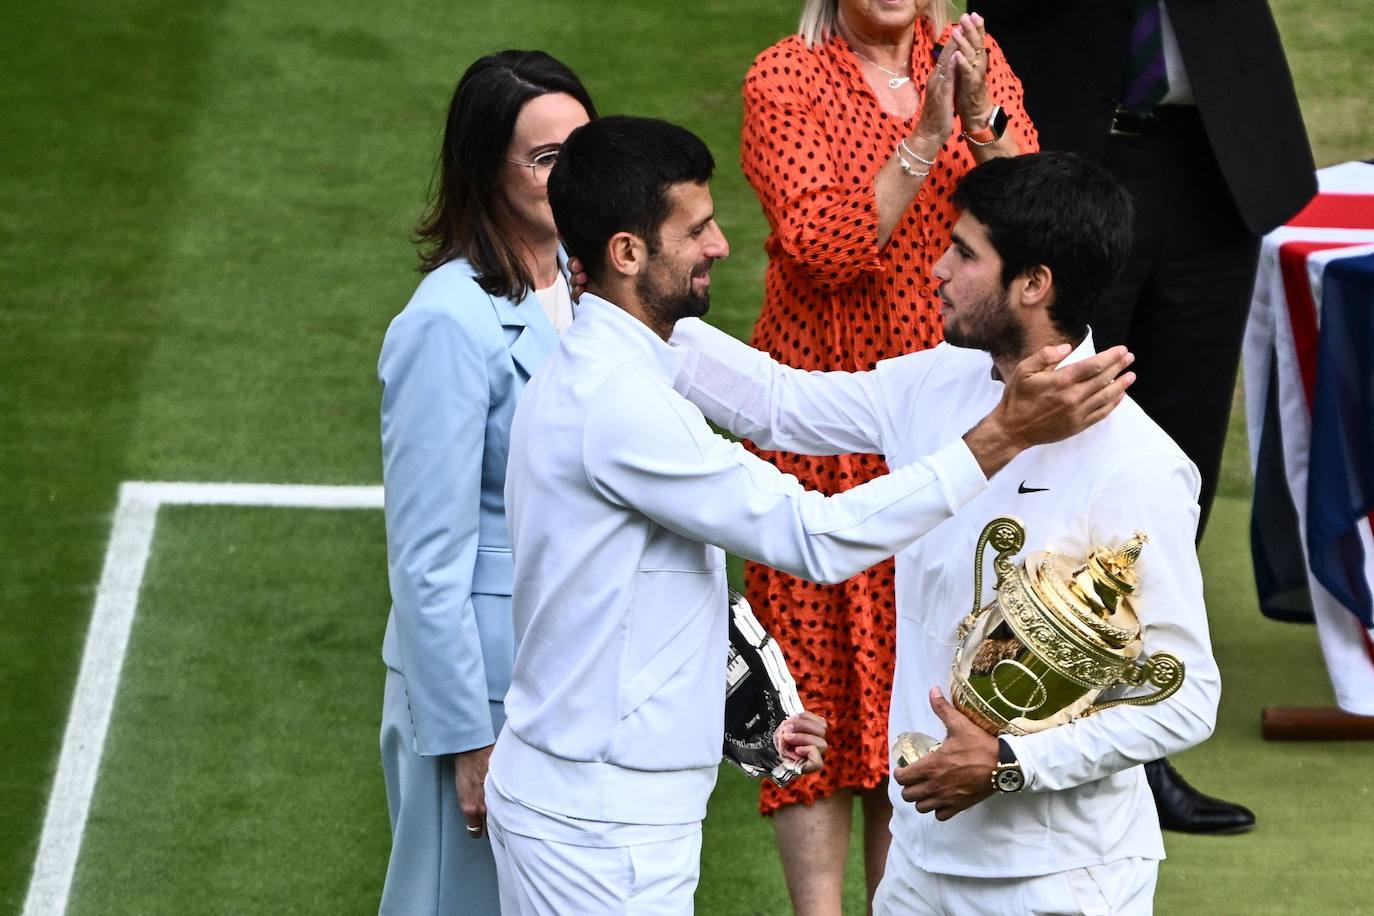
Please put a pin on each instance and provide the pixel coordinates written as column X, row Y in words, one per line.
column 1182, row 302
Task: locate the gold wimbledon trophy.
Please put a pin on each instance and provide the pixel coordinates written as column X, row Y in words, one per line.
column 1060, row 632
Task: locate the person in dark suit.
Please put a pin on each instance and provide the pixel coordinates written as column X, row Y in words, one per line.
column 1191, row 105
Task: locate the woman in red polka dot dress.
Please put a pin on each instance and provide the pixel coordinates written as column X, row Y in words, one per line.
column 852, row 142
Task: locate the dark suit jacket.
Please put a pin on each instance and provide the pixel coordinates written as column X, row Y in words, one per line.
column 1071, row 56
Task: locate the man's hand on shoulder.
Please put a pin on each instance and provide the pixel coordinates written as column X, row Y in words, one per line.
column 577, row 279
column 1043, row 404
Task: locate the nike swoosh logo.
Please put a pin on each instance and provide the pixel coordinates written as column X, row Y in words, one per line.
column 1025, row 489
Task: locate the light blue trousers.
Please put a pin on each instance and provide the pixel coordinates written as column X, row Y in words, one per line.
column 436, row 869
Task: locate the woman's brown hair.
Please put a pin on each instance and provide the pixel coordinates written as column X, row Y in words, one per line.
column 468, row 212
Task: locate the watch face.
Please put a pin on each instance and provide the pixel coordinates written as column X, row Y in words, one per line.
column 1010, row 780
column 998, row 123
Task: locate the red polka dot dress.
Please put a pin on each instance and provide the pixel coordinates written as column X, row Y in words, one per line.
column 814, row 137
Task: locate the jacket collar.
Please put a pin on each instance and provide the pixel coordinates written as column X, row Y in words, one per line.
column 633, row 337
column 537, row 336
column 1082, row 351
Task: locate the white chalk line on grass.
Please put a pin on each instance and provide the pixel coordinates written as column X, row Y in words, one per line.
column 107, row 638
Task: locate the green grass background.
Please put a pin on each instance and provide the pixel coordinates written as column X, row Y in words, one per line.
column 204, row 220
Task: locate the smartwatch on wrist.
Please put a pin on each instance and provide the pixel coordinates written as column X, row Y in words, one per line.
column 990, row 132
column 1007, row 776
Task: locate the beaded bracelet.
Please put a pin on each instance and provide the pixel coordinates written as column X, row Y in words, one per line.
column 915, row 155
column 909, row 169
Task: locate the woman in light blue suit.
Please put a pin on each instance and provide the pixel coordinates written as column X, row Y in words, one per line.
column 453, row 364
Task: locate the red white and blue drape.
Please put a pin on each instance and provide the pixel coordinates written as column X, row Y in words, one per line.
column 1309, row 380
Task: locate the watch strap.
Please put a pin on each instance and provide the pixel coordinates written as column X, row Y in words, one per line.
column 1004, row 752
column 990, row 132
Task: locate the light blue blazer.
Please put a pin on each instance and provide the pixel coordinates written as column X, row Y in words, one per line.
column 452, row 368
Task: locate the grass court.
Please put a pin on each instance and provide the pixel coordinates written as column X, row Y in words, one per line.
column 205, row 213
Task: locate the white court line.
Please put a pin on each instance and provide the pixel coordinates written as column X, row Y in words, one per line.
column 107, row 638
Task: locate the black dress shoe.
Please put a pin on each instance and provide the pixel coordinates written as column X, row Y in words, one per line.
column 1186, row 810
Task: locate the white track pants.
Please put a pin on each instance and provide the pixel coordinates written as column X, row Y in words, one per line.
column 1122, row 888
column 539, row 877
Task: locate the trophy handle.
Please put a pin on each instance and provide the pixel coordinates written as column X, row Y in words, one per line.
column 1163, row 670
column 1007, row 534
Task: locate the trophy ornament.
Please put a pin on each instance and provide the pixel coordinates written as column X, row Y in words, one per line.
column 1059, row 633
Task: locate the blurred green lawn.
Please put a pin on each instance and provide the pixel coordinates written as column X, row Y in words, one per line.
column 204, row 221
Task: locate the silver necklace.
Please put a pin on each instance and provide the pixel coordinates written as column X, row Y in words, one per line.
column 897, row 81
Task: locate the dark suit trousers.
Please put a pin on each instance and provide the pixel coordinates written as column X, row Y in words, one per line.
column 1182, row 301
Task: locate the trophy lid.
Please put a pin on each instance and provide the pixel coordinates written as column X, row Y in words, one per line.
column 1112, row 571
column 1089, row 596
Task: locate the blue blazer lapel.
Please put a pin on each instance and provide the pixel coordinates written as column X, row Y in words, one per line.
column 536, row 336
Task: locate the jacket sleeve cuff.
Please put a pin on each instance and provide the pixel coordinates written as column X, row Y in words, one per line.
column 958, row 472
column 455, row 742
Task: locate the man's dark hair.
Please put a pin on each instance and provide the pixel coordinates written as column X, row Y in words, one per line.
column 613, row 175
column 469, row 214
column 1056, row 209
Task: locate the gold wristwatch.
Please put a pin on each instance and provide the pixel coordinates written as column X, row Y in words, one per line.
column 1007, row 776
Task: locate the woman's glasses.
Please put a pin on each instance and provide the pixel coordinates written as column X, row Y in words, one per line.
column 540, row 165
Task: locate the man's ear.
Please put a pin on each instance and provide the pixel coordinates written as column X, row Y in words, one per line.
column 1036, row 287
column 626, row 254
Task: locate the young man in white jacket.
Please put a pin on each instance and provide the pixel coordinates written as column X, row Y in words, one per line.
column 1073, row 828
column 620, row 499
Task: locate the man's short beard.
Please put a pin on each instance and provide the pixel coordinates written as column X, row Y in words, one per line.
column 995, row 331
column 670, row 307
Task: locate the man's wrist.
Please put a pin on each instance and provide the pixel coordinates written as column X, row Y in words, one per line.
column 992, row 443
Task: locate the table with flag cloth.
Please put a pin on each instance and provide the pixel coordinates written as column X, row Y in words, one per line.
column 1309, row 381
